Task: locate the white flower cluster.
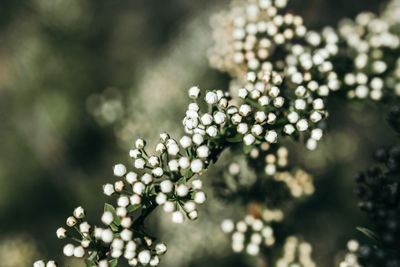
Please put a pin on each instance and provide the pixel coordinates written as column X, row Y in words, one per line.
column 299, row 184
column 296, row 253
column 253, row 232
column 117, row 236
column 351, row 259
column 252, row 32
column 373, row 46
column 136, row 250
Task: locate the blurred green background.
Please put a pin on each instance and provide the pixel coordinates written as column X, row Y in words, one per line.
column 81, row 79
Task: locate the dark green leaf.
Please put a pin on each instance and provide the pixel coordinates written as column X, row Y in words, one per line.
column 235, row 139
column 113, row 263
column 132, row 208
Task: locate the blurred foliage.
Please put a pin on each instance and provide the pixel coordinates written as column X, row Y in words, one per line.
column 80, row 79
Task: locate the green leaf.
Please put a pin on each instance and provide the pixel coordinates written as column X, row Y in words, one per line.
column 132, row 208
column 110, row 208
column 114, row 227
column 90, row 263
column 113, row 263
column 93, row 256
column 368, row 233
column 235, row 139
column 182, row 180
column 247, row 149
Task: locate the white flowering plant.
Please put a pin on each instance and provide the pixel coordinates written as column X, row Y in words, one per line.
column 282, row 75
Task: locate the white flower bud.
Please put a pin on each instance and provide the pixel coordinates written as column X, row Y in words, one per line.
column 289, row 129
column 146, row 178
column 119, row 186
column 185, row 141
column 236, row 118
column 71, row 221
column 79, row 212
column 274, row 91
column 227, row 226
column 154, row 261
column 300, row 104
column 257, row 129
column 316, row 134
column 293, row 117
column 84, row 227
column 161, row 248
column 107, row 218
column 164, row 137
column 126, row 235
column 260, row 116
column 119, row 170
column 184, row 162
column 117, row 244
column 244, row 110
column 161, row 198
column 173, row 165
column 51, row 264
column 196, row 166
column 271, row 137
column 219, row 117
column 211, row 98
column 166, row 186
column 189, row 206
column 252, row 249
column 199, row 197
column 318, row 104
column 173, row 149
column 198, row 139
column 131, row 246
column 242, row 128
column 206, row 119
column 138, row 188
column 249, row 139
column 123, row 201
column 263, row 100
column 121, row 211
column 153, row 161
column 160, row 148
column 39, row 263
column 140, row 163
column 302, row 125
column 203, row 151
column 135, row 153
column 61, row 233
column 197, row 184
column 140, row 143
column 182, row 190
column 193, row 215
column 169, row 206
column 212, row 131
column 315, row 117
column 103, row 263
column 107, row 236
column 98, row 232
column 79, row 252
column 68, row 250
column 144, row 257
column 194, row 92
column 177, row 217
column 131, row 177
column 135, row 200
